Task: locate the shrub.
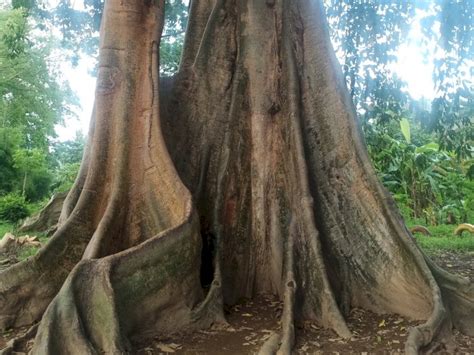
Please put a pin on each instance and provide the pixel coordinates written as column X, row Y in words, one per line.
column 13, row 208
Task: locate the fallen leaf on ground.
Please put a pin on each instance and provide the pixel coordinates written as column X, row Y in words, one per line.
column 165, row 348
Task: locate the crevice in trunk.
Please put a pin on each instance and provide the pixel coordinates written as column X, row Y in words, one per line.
column 208, row 253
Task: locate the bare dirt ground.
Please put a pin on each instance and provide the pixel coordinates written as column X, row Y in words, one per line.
column 456, row 263
column 252, row 322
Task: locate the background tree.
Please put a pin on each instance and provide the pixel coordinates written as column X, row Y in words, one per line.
column 367, row 37
column 81, row 29
column 453, row 108
column 67, row 158
column 31, row 164
column 32, row 101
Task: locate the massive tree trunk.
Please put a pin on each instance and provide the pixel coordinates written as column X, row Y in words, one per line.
column 246, row 172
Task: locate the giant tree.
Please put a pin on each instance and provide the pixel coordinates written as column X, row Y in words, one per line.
column 245, row 172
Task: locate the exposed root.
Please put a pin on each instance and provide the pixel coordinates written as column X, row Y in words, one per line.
column 454, row 306
column 84, row 305
column 424, row 334
column 420, row 229
column 465, row 227
column 211, row 310
column 283, row 343
column 458, row 297
column 104, row 294
column 288, row 316
column 28, row 287
column 271, row 345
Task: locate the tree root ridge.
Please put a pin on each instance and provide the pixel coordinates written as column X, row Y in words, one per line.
column 458, row 297
column 103, row 294
column 349, row 196
column 136, row 233
column 75, row 315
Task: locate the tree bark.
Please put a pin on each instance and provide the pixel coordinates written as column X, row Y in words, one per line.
column 247, row 171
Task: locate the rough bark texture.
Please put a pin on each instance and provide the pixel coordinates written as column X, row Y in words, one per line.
column 252, row 177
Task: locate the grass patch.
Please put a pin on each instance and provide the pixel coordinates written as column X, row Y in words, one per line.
column 35, row 207
column 6, row 227
column 443, row 239
column 463, row 244
column 25, row 251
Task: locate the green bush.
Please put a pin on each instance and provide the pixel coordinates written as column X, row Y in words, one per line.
column 13, row 208
column 65, row 177
column 429, row 184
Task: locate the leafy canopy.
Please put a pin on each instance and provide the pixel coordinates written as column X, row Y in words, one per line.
column 33, row 100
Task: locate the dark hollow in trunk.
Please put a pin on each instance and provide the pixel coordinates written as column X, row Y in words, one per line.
column 245, row 173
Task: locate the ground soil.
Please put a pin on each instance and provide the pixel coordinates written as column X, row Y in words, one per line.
column 455, row 262
column 251, row 322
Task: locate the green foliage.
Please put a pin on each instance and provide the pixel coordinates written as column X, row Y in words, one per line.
column 405, row 128
column 67, row 158
column 366, row 35
column 13, row 208
column 80, row 30
column 442, row 238
column 32, row 101
column 6, row 227
column 172, row 39
column 426, row 182
column 464, row 244
column 14, row 32
column 453, row 109
column 9, row 140
column 66, row 176
column 27, row 252
column 69, row 152
column 31, row 96
column 452, row 118
column 170, row 55
column 33, row 167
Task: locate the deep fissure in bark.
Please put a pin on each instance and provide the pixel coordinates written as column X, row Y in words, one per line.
column 243, row 174
column 207, row 254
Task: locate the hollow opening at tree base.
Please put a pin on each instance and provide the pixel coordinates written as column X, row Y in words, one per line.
column 207, row 255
